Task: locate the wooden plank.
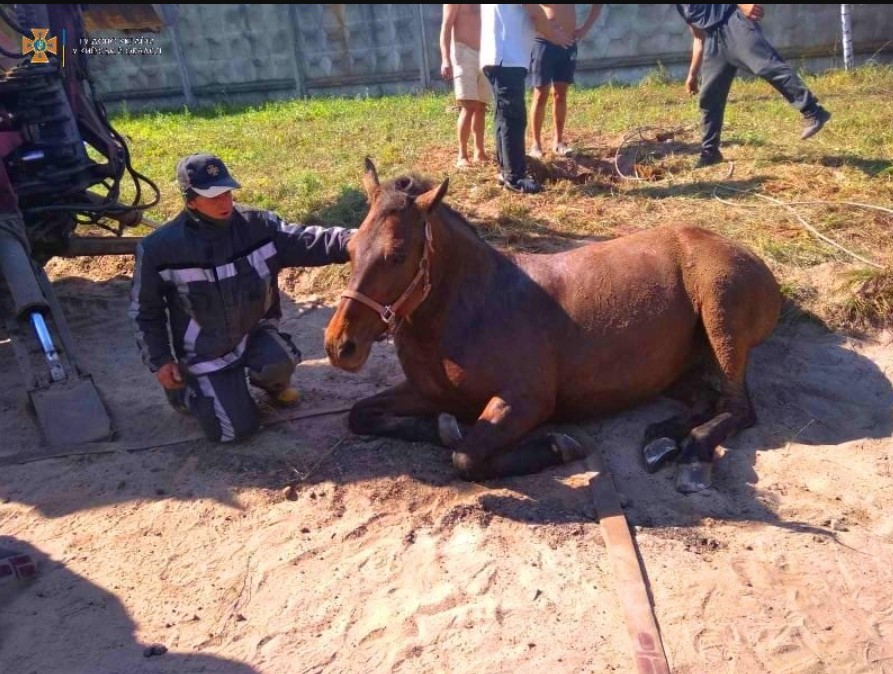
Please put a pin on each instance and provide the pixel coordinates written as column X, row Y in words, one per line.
column 629, row 573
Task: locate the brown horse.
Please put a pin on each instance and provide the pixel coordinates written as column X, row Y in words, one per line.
column 509, row 342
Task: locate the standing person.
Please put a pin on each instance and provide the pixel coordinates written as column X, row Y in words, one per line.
column 205, row 300
column 553, row 65
column 726, row 38
column 507, row 33
column 460, row 44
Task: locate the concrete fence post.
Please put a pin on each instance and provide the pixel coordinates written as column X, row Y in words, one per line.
column 423, row 47
column 847, row 34
column 298, row 52
column 170, row 16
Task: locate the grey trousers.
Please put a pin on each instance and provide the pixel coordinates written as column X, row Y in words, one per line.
column 739, row 43
column 221, row 400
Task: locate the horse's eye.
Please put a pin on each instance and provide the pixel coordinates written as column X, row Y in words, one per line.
column 397, row 258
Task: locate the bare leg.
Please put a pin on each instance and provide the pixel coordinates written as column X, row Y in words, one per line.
column 559, row 109
column 398, row 412
column 463, row 127
column 477, row 125
column 538, row 114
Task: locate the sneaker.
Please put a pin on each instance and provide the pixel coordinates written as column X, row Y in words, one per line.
column 288, row 397
column 462, row 163
column 709, row 159
column 523, row 186
column 814, row 122
column 563, row 150
column 536, row 152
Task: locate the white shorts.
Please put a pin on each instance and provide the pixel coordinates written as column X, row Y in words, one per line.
column 469, row 83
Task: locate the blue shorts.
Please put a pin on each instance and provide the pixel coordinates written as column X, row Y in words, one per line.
column 550, row 63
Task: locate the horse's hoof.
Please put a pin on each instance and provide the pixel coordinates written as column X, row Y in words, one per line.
column 657, row 452
column 464, row 464
column 694, row 477
column 566, row 447
column 449, row 431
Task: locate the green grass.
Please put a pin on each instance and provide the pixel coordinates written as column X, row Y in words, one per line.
column 304, row 159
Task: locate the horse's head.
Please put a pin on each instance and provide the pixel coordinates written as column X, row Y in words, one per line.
column 390, row 257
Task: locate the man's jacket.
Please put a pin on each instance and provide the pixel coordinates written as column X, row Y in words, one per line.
column 199, row 289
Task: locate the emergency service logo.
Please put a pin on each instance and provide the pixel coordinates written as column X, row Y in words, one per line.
column 40, row 45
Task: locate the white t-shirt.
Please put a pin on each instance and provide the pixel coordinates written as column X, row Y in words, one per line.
column 507, row 35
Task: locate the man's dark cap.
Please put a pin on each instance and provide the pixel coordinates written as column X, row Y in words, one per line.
column 204, row 174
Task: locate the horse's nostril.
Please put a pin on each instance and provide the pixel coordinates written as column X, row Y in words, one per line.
column 347, row 349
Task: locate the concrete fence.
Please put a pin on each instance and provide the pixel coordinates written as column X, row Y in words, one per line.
column 251, row 53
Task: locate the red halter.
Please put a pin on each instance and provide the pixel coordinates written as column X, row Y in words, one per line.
column 389, row 313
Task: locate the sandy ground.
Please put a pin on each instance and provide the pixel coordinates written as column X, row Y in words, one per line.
column 313, row 550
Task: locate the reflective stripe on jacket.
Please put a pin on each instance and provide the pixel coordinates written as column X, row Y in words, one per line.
column 199, row 289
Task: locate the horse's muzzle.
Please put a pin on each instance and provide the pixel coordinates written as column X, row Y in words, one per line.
column 345, row 354
column 346, row 350
column 341, row 350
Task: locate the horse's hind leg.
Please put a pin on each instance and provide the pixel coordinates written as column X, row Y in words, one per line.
column 696, row 457
column 733, row 410
column 662, row 439
column 399, row 412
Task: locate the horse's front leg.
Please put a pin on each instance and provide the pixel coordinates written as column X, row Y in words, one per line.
column 492, row 448
column 398, row 412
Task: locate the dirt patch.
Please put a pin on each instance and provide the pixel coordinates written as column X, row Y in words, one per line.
column 310, row 549
column 577, row 170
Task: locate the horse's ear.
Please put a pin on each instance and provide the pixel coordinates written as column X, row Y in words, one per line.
column 429, row 200
column 370, row 179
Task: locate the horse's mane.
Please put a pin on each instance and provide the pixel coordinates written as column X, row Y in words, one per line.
column 395, row 192
column 411, row 184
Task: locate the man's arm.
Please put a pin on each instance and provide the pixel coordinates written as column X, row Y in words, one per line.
column 450, row 12
column 697, row 59
column 303, row 246
column 588, row 23
column 148, row 312
column 546, row 27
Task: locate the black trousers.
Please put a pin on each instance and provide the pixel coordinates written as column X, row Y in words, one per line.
column 510, row 114
column 739, row 43
column 221, row 400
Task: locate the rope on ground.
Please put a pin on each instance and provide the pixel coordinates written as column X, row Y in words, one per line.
column 640, row 130
column 19, row 460
column 302, row 476
column 809, row 227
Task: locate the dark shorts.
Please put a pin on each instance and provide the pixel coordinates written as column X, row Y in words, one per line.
column 551, row 63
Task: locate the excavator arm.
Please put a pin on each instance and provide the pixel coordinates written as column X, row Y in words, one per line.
column 51, row 188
